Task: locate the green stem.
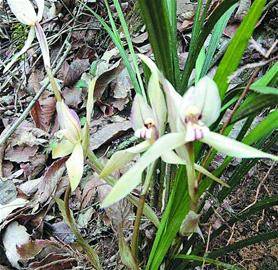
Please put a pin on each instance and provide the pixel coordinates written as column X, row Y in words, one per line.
column 53, row 84
column 139, row 212
column 92, row 255
column 191, row 176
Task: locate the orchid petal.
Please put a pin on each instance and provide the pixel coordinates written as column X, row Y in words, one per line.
column 234, row 148
column 24, row 11
column 75, row 166
column 132, row 177
column 172, row 158
column 174, row 102
column 190, row 225
column 140, row 112
column 43, row 45
column 62, row 149
column 212, row 101
column 155, row 94
column 158, row 103
column 68, row 121
column 40, row 5
column 205, row 97
column 26, row 46
column 121, row 158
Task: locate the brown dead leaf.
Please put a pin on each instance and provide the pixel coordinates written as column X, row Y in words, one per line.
column 20, row 154
column 50, row 180
column 141, row 38
column 42, row 113
column 108, row 133
column 71, row 73
column 106, row 77
column 72, row 96
column 117, row 213
column 8, row 208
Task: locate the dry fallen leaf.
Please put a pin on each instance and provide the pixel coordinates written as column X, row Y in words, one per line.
column 50, row 180
column 71, row 73
column 11, row 242
column 108, row 133
column 6, row 209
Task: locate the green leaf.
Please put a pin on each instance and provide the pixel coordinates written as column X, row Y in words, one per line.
column 125, row 252
column 257, row 207
column 121, row 49
column 265, row 89
column 160, row 19
column 253, row 104
column 234, row 53
column 215, row 38
column 197, row 46
column 199, row 64
column 244, row 243
column 177, row 208
column 207, row 260
column 266, row 79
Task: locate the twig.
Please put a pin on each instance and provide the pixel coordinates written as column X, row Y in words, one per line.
column 231, row 236
column 23, row 116
column 259, row 188
column 207, row 246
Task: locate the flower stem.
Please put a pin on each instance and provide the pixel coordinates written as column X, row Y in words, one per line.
column 53, row 84
column 140, row 208
column 191, row 176
column 92, row 255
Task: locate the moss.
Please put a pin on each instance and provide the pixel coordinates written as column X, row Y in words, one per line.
column 19, row 35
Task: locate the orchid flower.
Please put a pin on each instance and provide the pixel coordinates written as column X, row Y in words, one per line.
column 70, row 144
column 74, row 141
column 189, row 117
column 25, row 13
column 148, row 122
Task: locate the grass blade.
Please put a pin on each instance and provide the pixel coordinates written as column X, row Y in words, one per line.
column 237, row 46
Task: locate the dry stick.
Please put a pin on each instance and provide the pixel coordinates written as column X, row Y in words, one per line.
column 207, row 246
column 259, row 188
column 23, row 116
column 227, row 122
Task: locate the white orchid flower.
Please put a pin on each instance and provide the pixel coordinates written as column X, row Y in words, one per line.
column 189, row 117
column 70, row 144
column 25, row 13
column 148, row 122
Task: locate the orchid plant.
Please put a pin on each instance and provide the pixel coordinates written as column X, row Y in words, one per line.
column 189, row 118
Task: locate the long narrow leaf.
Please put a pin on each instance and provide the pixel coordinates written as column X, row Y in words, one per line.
column 162, row 35
column 237, row 46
